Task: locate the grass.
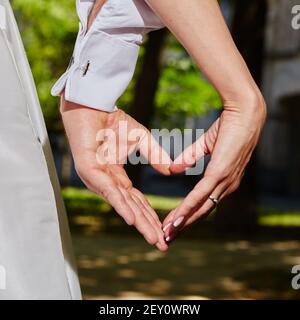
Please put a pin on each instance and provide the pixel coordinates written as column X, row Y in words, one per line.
column 86, row 203
column 279, row 219
column 90, row 214
column 118, row 267
column 114, row 262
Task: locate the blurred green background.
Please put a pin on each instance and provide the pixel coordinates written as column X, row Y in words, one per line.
column 244, row 250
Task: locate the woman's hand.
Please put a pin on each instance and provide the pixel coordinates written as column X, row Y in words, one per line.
column 230, row 141
column 201, row 29
column 100, row 143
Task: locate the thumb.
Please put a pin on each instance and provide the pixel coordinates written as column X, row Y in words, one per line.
column 156, row 156
column 189, row 156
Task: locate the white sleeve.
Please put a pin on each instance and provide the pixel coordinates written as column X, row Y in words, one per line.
column 105, row 57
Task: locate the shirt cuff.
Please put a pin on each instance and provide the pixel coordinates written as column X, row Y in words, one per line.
column 99, row 74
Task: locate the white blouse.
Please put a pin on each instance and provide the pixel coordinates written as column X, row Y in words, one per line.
column 105, row 56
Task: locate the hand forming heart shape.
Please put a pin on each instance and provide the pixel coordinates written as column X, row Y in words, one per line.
column 99, row 162
column 230, row 141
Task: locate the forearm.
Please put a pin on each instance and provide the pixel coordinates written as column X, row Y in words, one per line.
column 200, row 27
column 106, row 51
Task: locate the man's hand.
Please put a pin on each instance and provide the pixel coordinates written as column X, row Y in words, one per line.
column 99, row 147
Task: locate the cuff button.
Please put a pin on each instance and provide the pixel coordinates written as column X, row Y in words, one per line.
column 85, row 68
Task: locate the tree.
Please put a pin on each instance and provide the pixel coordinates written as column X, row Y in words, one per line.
column 238, row 212
column 146, row 86
column 147, row 82
column 169, row 86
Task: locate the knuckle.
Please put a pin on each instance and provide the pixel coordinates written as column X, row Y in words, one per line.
column 235, row 186
column 189, row 206
column 218, row 172
column 126, row 191
column 223, row 173
column 130, row 220
column 152, row 241
column 128, row 185
column 105, row 193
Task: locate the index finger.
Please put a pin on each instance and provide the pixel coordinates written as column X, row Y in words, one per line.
column 189, row 156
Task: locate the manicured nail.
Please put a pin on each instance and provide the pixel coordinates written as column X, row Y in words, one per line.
column 168, row 239
column 178, row 222
column 166, row 227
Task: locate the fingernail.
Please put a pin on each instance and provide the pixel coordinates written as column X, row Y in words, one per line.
column 168, row 239
column 166, row 227
column 178, row 222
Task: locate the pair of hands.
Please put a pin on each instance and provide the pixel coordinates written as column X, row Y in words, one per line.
column 230, row 142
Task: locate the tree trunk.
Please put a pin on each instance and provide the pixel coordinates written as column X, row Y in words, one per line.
column 238, row 212
column 143, row 105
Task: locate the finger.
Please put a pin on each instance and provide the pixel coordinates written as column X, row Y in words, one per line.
column 162, row 243
column 119, row 173
column 99, row 182
column 232, row 187
column 199, row 215
column 120, row 206
column 195, row 199
column 189, row 156
column 168, row 220
column 202, row 212
column 120, row 176
column 168, row 227
column 220, row 192
column 156, row 156
column 141, row 222
column 147, row 205
column 151, row 216
column 141, row 202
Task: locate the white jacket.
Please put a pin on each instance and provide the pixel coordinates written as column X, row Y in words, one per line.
column 105, row 56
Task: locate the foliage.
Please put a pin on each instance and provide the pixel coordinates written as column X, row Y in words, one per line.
column 182, row 89
column 49, row 29
column 272, row 218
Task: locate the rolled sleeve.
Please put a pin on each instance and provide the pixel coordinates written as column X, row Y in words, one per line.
column 104, row 58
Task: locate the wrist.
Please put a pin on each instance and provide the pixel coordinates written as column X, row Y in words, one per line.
column 66, row 106
column 249, row 103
